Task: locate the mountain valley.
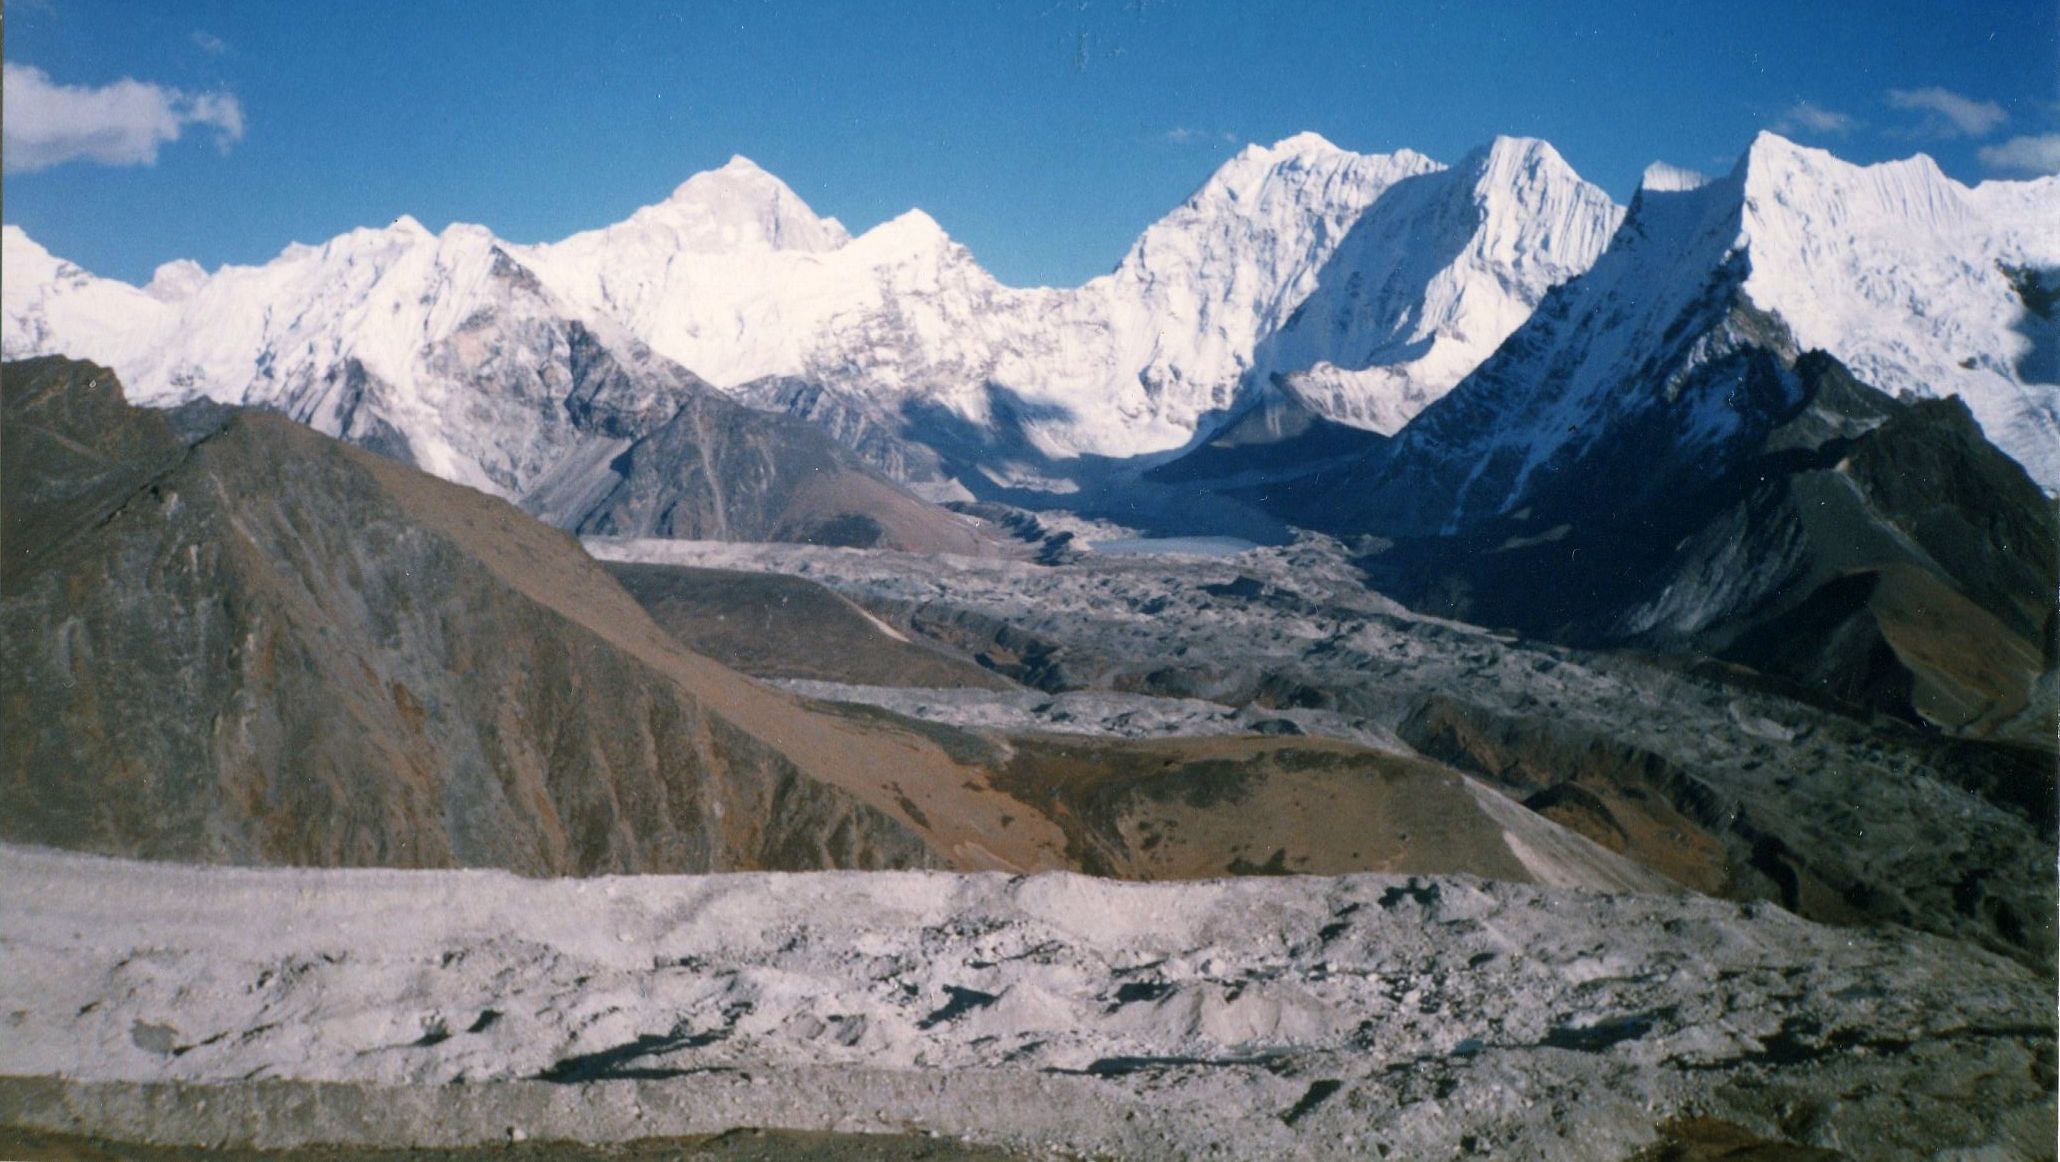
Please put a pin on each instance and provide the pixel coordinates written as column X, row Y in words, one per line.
column 1415, row 658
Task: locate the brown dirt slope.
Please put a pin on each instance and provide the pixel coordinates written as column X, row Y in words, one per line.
column 770, row 625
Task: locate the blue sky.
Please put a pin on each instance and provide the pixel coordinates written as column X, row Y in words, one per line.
column 1044, row 135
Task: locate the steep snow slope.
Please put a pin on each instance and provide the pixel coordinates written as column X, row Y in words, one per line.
column 1613, row 347
column 1647, row 377
column 1907, row 277
column 1432, row 278
column 1207, row 282
column 386, row 337
column 1368, row 284
column 48, row 305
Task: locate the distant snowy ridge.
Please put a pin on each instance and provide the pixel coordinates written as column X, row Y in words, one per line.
column 1366, row 286
column 736, row 279
column 1126, row 364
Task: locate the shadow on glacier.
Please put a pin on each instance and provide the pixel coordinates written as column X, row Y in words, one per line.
column 1000, row 462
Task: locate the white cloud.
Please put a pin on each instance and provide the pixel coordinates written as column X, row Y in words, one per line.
column 125, row 123
column 1949, row 113
column 1182, row 135
column 208, row 42
column 1813, row 118
column 2038, row 154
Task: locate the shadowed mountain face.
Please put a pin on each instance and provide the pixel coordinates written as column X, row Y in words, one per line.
column 1652, row 460
column 1883, row 553
column 246, row 642
column 231, row 639
column 720, row 471
column 1909, row 570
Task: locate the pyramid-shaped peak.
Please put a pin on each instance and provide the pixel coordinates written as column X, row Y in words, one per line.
column 740, row 203
column 1507, row 160
column 910, row 232
column 1306, row 142
column 739, row 176
column 1521, row 149
column 1769, row 148
column 915, row 221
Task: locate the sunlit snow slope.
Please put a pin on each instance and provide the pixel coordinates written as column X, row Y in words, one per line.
column 1365, row 285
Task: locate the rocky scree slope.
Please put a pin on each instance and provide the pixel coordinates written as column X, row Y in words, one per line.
column 1883, row 553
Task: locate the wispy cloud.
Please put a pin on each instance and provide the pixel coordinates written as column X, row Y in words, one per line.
column 1810, row 117
column 1182, row 135
column 1948, row 114
column 208, row 42
column 2034, row 154
column 125, row 123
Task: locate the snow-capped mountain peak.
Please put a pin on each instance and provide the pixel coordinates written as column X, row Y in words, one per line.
column 1366, row 284
column 1507, row 160
column 1432, row 276
column 1307, row 141
column 1911, row 279
column 913, row 228
column 740, row 206
column 175, row 281
column 49, row 305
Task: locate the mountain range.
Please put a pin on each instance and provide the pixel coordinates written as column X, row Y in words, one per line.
column 1354, row 289
column 1557, row 415
column 1692, row 562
